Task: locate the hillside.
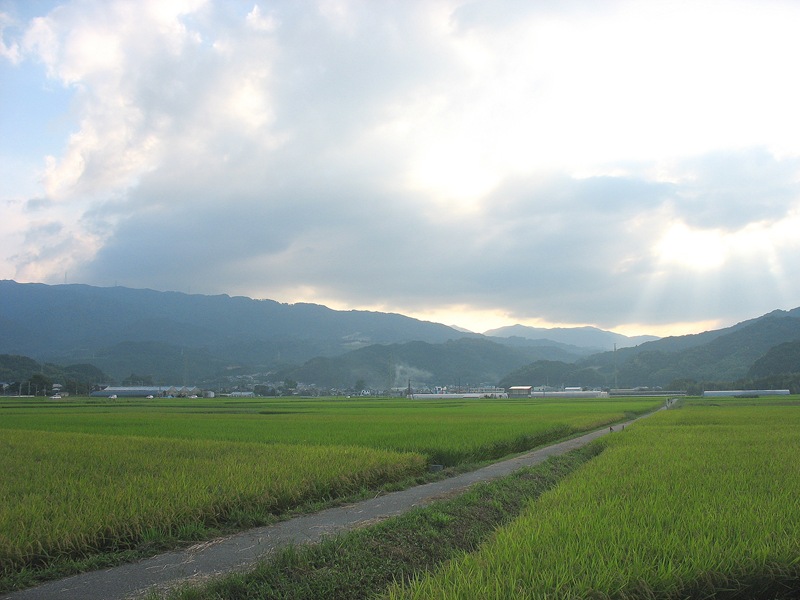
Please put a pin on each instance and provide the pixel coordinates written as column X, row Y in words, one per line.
column 176, row 337
column 209, row 340
column 585, row 337
column 730, row 354
column 779, row 360
column 16, row 372
column 81, row 323
column 467, row 361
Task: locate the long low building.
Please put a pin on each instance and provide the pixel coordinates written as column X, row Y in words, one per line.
column 645, row 392
column 143, row 391
column 528, row 391
column 458, row 395
column 570, row 394
column 740, row 393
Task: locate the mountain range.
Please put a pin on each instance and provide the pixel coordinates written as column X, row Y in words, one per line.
column 122, row 330
column 586, row 337
column 172, row 337
column 757, row 348
column 467, row 361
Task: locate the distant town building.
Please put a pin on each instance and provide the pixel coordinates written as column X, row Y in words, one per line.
column 528, row 391
column 520, row 391
column 571, row 393
column 443, row 393
column 144, row 391
column 645, row 392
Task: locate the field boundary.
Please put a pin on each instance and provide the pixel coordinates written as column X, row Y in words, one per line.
column 241, row 551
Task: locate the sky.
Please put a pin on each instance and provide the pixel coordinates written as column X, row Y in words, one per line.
column 630, row 165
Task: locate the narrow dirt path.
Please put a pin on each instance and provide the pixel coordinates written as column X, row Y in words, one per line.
column 240, row 551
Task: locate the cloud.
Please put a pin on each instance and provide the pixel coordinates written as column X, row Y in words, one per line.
column 9, row 51
column 730, row 189
column 531, row 158
column 505, row 14
column 559, row 247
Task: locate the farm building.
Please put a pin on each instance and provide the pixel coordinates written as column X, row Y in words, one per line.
column 143, row 391
column 571, row 393
column 527, row 391
column 641, row 392
column 740, row 393
column 520, row 391
column 442, row 393
column 456, row 395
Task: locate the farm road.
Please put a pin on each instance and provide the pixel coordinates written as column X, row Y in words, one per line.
column 240, row 551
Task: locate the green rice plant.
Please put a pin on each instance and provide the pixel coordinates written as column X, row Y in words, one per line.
column 689, row 503
column 83, row 476
column 73, row 494
column 448, row 432
column 361, row 563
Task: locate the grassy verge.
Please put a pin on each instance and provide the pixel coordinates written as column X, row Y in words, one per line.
column 364, row 562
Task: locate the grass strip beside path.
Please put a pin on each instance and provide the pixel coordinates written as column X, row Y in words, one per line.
column 364, row 562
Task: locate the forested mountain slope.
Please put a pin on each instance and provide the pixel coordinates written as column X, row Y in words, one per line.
column 727, row 354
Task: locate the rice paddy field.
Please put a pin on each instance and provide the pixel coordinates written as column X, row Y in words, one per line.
column 88, row 476
column 699, row 502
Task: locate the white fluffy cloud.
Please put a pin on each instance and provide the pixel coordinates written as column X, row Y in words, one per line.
column 624, row 164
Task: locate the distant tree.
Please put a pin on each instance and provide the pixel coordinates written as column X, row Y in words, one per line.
column 289, row 387
column 360, row 385
column 264, row 390
column 73, row 386
column 690, row 386
column 39, row 384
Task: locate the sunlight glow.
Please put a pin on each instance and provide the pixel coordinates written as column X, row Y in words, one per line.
column 694, row 249
column 669, row 329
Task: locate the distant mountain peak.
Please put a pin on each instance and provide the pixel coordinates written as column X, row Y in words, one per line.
column 585, row 336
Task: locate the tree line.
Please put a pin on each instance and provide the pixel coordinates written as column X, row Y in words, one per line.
column 22, row 375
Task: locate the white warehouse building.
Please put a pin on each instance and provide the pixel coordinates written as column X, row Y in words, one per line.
column 740, row 393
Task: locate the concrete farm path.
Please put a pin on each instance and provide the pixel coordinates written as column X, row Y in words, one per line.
column 240, row 551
